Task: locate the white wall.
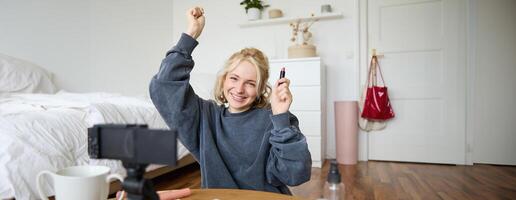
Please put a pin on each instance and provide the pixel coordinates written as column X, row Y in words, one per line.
column 334, row 40
column 117, row 45
column 90, row 45
column 493, row 95
column 129, row 38
column 51, row 33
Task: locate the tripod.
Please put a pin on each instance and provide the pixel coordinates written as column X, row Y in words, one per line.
column 136, row 186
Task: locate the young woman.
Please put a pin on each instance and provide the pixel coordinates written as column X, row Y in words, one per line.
column 244, row 139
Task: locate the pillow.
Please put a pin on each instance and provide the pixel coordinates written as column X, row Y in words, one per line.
column 20, row 76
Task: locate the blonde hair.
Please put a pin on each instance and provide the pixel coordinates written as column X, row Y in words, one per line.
column 261, row 64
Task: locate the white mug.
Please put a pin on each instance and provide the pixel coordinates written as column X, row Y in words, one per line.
column 86, row 182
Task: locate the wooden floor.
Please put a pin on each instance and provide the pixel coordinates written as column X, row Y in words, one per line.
column 391, row 180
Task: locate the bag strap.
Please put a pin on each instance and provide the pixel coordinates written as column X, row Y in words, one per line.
column 377, row 66
column 371, row 74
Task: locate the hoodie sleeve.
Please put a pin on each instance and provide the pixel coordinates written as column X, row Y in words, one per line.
column 173, row 95
column 289, row 161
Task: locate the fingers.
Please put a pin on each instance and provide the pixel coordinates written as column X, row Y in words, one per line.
column 283, row 80
column 285, row 95
column 174, row 194
column 195, row 19
column 196, row 12
column 282, row 84
column 281, row 97
column 282, row 90
column 120, row 195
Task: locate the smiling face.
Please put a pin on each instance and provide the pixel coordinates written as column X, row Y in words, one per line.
column 242, row 82
column 240, row 87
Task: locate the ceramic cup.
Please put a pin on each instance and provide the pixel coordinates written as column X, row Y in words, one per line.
column 79, row 182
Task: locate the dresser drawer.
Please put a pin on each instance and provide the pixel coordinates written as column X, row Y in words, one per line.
column 300, row 73
column 314, row 145
column 306, row 98
column 309, row 122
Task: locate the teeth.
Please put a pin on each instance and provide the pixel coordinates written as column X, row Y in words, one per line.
column 237, row 98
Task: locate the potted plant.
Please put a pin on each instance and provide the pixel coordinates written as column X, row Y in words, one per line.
column 253, row 8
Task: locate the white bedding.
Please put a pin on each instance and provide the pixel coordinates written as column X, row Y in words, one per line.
column 22, row 76
column 49, row 132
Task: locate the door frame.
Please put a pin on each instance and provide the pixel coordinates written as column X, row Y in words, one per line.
column 471, row 72
column 361, row 61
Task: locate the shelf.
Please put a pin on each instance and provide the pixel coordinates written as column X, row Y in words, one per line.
column 263, row 22
column 295, row 59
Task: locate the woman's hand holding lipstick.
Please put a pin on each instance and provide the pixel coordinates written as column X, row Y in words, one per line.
column 281, row 98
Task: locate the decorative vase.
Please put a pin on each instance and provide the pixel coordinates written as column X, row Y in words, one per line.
column 301, row 51
column 254, row 14
column 275, row 13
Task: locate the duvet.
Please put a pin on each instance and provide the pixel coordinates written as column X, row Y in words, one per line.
column 49, row 132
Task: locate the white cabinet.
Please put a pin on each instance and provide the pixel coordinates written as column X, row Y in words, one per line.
column 307, row 84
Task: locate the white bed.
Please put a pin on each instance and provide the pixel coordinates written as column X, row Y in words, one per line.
column 49, row 132
column 43, row 130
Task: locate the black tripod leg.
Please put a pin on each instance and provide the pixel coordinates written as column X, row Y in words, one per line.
column 148, row 191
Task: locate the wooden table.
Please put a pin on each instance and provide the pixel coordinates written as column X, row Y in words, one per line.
column 228, row 194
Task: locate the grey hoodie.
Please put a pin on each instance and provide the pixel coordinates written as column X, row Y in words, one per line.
column 250, row 150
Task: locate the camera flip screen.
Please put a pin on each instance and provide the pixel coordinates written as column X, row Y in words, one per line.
column 132, row 144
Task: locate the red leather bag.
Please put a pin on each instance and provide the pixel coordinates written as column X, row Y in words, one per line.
column 376, row 105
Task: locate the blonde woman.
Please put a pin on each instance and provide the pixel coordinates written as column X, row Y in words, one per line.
column 244, row 139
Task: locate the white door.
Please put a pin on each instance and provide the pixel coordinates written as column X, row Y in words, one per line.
column 494, row 113
column 423, row 44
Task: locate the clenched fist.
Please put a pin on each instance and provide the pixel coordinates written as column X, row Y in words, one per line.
column 195, row 17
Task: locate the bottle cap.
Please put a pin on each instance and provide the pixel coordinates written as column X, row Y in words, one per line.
column 333, row 174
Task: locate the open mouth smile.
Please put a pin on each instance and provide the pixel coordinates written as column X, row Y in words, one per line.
column 238, row 98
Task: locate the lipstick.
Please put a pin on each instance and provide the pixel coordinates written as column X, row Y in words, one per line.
column 282, row 73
